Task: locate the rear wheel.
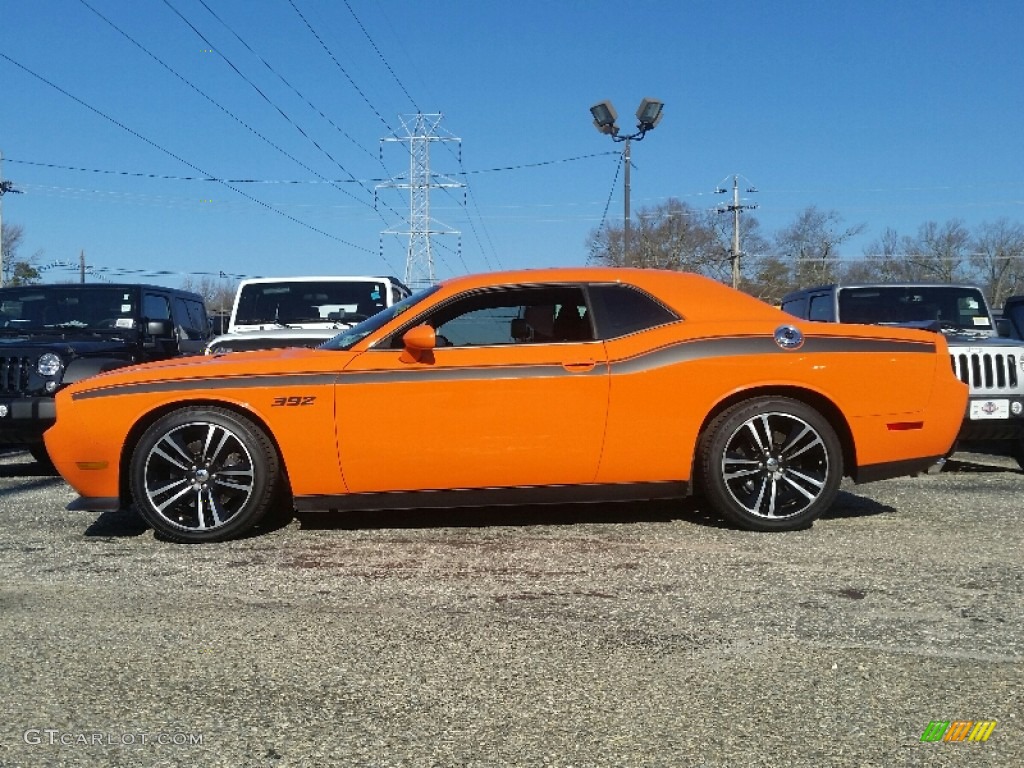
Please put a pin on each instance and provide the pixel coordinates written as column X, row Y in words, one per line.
column 204, row 474
column 770, row 464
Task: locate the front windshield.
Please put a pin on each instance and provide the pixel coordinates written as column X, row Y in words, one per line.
column 953, row 308
column 289, row 302
column 55, row 307
column 352, row 336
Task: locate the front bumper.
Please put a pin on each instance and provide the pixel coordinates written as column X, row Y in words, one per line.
column 993, row 418
column 24, row 419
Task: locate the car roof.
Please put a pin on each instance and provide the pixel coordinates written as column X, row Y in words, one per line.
column 677, row 289
column 116, row 286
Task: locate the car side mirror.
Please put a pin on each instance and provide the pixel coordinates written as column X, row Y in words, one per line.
column 160, row 329
column 421, row 338
column 419, row 343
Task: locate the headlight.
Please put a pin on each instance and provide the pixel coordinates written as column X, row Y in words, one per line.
column 49, row 364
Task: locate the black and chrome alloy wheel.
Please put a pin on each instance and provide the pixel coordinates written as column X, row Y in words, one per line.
column 203, row 474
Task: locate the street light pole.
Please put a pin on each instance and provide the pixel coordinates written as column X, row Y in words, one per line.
column 648, row 115
column 626, row 216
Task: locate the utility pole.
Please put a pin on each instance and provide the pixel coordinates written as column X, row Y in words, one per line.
column 735, row 209
column 5, row 187
column 81, row 266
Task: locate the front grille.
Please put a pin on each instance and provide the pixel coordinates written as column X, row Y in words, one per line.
column 985, row 372
column 14, row 372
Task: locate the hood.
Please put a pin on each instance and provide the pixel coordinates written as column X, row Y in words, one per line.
column 237, row 364
column 270, row 326
column 91, row 346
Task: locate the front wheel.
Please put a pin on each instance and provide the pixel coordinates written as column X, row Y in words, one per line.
column 203, row 474
column 770, row 464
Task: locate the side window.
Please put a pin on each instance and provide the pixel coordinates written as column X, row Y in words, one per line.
column 621, row 309
column 533, row 315
column 189, row 319
column 796, row 307
column 155, row 307
column 821, row 308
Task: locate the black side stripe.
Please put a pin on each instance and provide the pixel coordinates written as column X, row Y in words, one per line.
column 686, row 351
column 702, row 349
column 219, row 382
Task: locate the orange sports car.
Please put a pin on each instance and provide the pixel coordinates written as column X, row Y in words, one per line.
column 559, row 385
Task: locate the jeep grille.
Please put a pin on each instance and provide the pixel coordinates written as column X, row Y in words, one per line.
column 14, row 373
column 986, row 371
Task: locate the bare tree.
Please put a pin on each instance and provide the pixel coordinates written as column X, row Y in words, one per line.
column 219, row 294
column 671, row 235
column 17, row 271
column 811, row 246
column 998, row 259
column 884, row 261
column 939, row 253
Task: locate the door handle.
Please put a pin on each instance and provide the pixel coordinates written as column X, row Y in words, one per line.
column 583, row 366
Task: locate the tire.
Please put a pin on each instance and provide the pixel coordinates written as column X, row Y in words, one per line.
column 1018, row 451
column 38, row 452
column 203, row 474
column 770, row 464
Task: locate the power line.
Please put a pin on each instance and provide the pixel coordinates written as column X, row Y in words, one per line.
column 209, row 98
column 381, row 56
column 287, row 83
column 180, row 159
column 341, row 69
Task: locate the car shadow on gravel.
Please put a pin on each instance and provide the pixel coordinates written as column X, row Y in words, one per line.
column 28, row 468
column 519, row 516
column 976, row 466
column 126, row 523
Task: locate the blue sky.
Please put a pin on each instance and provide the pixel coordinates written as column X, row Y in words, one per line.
column 890, row 113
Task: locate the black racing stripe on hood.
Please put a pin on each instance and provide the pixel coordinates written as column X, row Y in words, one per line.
column 233, row 382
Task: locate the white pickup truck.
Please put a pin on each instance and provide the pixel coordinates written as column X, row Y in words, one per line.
column 274, row 312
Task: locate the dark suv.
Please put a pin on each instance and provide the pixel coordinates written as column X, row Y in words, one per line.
column 53, row 335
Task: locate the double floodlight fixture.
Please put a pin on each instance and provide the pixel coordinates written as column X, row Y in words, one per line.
column 648, row 115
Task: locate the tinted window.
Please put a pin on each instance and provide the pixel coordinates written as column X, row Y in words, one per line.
column 54, row 306
column 796, row 307
column 155, row 307
column 821, row 308
column 952, row 306
column 621, row 309
column 1015, row 315
column 528, row 315
column 190, row 319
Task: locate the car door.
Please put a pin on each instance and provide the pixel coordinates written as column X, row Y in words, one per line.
column 515, row 394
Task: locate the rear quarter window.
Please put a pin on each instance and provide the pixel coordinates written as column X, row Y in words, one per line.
column 622, row 309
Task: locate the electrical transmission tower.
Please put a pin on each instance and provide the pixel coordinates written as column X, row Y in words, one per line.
column 735, row 209
column 421, row 130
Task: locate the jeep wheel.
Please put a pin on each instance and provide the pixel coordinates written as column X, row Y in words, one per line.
column 204, row 474
column 38, row 452
column 1018, row 451
column 770, row 464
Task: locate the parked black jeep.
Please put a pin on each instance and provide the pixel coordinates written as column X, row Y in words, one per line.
column 54, row 335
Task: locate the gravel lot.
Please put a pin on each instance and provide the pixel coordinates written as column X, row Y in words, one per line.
column 603, row 635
